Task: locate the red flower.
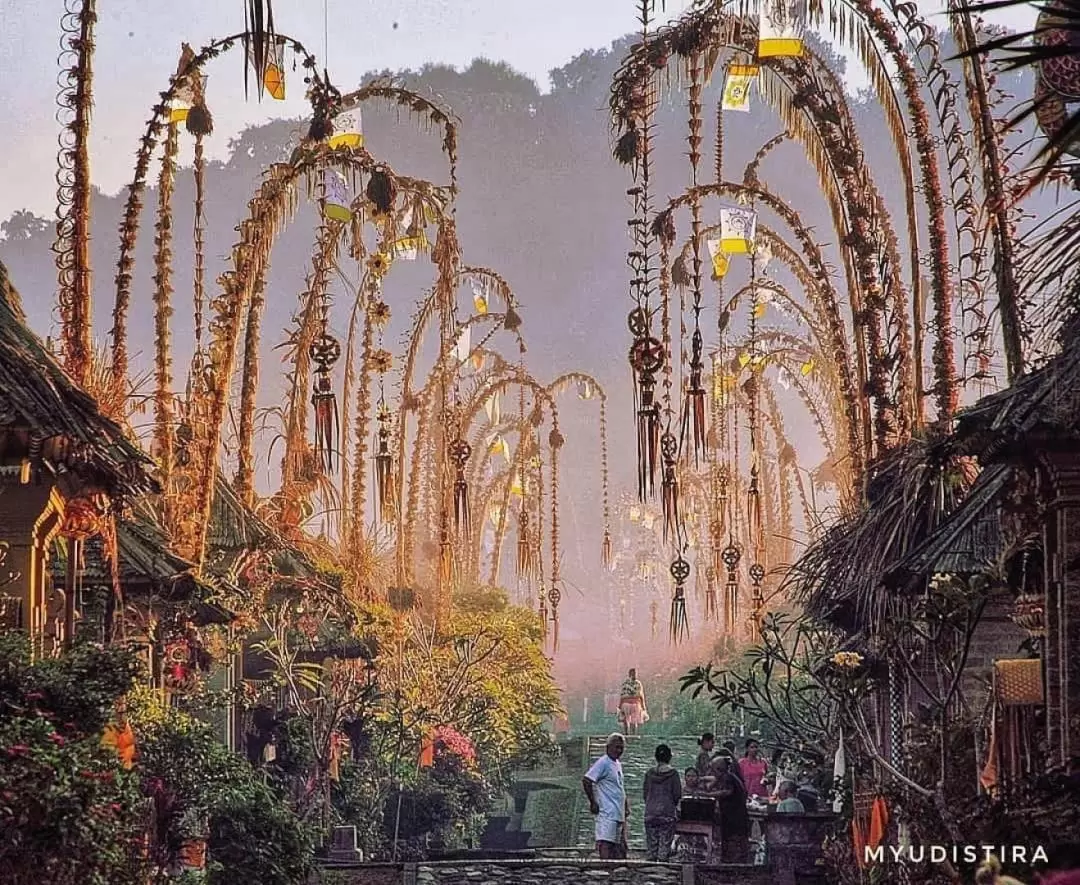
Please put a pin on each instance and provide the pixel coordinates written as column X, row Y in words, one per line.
column 57, row 739
column 18, row 750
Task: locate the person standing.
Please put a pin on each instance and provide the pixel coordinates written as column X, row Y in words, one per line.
column 662, row 794
column 704, row 757
column 752, row 770
column 731, row 809
column 632, row 710
column 789, row 802
column 608, row 802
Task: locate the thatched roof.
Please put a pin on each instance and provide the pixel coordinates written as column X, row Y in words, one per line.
column 911, row 493
column 1044, row 404
column 44, row 400
column 967, row 541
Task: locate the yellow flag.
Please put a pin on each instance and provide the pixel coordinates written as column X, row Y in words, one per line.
column 480, row 303
column 744, row 359
column 737, row 229
column 478, row 361
column 499, row 446
column 336, row 204
column 516, row 488
column 780, row 28
column 737, row 85
column 807, row 367
column 409, row 248
column 759, row 310
column 347, row 130
column 720, row 260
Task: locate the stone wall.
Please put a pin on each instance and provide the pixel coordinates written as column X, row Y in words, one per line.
column 545, row 872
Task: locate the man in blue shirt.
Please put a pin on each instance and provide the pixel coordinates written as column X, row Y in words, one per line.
column 603, row 785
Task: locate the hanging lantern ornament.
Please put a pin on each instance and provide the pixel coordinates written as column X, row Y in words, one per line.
column 730, row 558
column 680, row 626
column 325, row 353
column 669, row 486
column 384, row 462
column 459, row 454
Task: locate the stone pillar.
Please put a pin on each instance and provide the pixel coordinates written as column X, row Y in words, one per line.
column 30, row 517
column 794, row 844
column 1061, row 538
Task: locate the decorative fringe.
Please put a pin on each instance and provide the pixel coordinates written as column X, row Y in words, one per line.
column 730, row 558
column 461, row 505
column 606, row 557
column 711, row 613
column 524, row 547
column 693, row 423
column 669, row 488
column 326, row 421
column 680, row 624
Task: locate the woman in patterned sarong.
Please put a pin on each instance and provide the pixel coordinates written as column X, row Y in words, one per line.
column 632, row 711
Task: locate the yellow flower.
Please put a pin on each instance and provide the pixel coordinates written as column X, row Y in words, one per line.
column 381, row 361
column 847, row 659
column 380, row 313
column 378, row 264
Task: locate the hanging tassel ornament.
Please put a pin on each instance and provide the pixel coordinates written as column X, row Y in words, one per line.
column 554, row 597
column 654, row 618
column 325, row 353
column 693, row 423
column 384, row 463
column 606, row 556
column 680, row 626
column 647, row 357
column 757, row 613
column 459, row 454
column 669, row 487
column 524, row 547
column 543, row 612
column 446, row 557
column 730, row 557
column 711, row 612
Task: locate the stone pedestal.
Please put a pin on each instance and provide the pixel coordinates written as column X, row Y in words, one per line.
column 794, row 846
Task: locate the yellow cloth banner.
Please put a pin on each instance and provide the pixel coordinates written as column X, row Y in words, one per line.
column 347, row 133
column 737, row 229
column 336, row 204
column 720, row 260
column 274, row 76
column 780, row 28
column 737, row 87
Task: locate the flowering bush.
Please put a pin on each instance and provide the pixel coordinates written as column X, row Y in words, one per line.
column 448, row 739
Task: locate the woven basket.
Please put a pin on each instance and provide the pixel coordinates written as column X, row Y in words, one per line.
column 1019, row 682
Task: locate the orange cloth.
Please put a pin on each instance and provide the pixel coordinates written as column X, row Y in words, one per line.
column 123, row 741
column 427, row 753
column 879, row 821
column 860, row 844
column 988, row 777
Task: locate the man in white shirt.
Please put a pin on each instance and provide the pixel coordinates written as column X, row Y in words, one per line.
column 603, row 785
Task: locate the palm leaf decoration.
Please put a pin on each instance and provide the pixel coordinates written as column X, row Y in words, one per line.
column 1031, row 49
column 259, row 29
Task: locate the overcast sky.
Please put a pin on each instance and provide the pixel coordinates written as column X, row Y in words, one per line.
column 138, row 46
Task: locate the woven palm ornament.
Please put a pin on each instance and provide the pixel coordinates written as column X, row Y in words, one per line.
column 1019, row 682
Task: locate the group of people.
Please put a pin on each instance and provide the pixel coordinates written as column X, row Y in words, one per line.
column 719, row 776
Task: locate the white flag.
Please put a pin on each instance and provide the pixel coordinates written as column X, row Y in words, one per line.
column 337, row 196
column 839, row 775
column 783, row 378
column 347, row 130
column 463, row 347
column 493, row 408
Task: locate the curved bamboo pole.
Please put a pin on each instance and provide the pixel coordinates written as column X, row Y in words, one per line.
column 129, row 225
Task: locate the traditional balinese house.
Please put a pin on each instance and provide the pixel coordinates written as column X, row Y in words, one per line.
column 1034, row 427
column 66, row 475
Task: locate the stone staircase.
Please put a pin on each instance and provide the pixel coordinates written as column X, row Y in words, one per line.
column 637, row 760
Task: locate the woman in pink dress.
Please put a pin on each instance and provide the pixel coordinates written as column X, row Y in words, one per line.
column 752, row 768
